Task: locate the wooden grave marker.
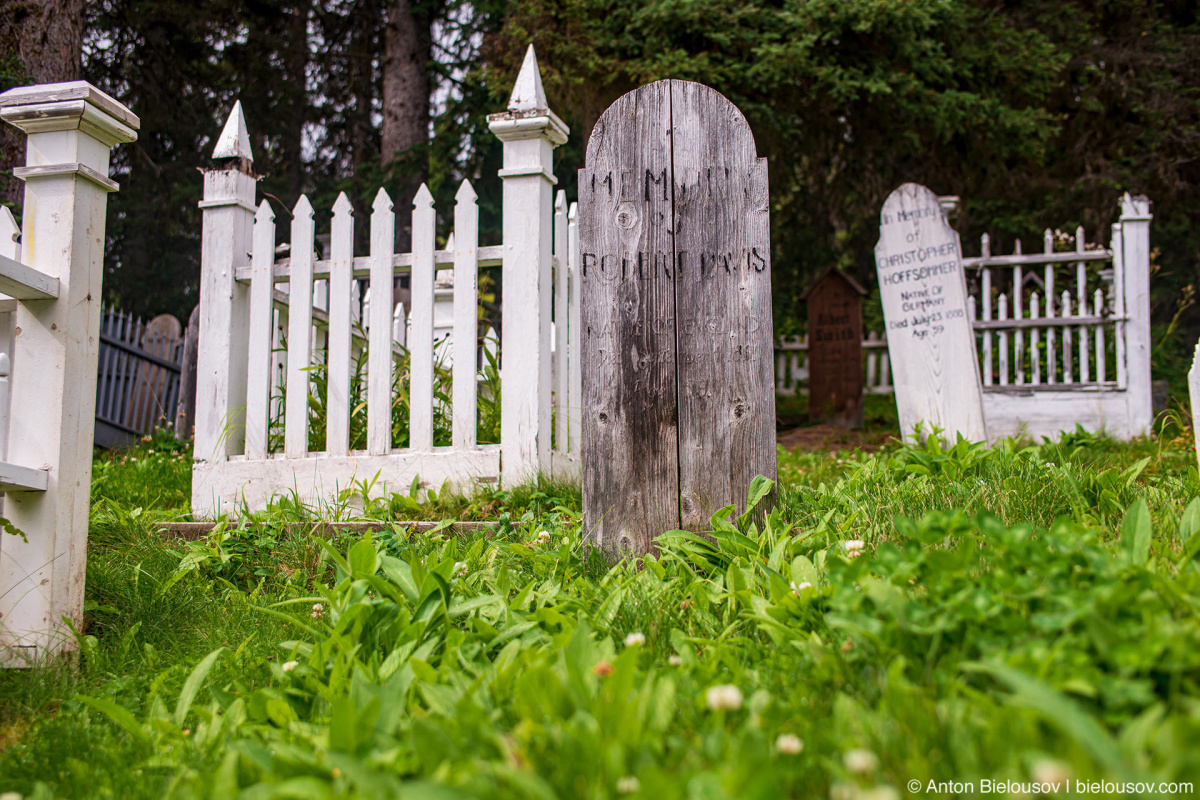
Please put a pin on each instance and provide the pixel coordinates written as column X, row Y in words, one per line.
column 835, row 332
column 931, row 343
column 677, row 356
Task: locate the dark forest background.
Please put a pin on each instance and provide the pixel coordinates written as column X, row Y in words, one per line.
column 1037, row 114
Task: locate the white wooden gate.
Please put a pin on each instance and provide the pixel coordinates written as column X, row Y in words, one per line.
column 249, row 309
column 53, row 308
column 1063, row 338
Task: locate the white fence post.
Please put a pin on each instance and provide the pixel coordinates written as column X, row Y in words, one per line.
column 1135, row 262
column 221, row 360
column 530, row 132
column 71, row 129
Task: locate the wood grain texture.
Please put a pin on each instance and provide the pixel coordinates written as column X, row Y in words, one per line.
column 677, row 355
column 258, row 376
column 630, row 442
column 337, row 421
column 295, row 426
column 723, row 295
column 835, row 375
column 379, row 353
column 924, row 295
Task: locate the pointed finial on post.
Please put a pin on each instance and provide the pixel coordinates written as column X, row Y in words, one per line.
column 234, row 141
column 528, row 93
column 528, row 115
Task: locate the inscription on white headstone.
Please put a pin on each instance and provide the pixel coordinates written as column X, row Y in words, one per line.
column 930, row 340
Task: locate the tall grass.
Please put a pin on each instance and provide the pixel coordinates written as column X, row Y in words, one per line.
column 1023, row 613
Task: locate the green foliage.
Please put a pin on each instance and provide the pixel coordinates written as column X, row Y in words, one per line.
column 895, row 639
column 487, row 401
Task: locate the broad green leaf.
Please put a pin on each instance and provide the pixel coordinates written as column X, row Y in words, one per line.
column 1061, row 712
column 192, row 685
column 118, row 714
column 362, row 558
column 1136, row 532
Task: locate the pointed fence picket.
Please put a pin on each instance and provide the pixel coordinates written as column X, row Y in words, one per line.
column 316, row 322
column 1066, row 357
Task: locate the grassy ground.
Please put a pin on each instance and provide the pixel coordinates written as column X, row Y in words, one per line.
column 1024, row 613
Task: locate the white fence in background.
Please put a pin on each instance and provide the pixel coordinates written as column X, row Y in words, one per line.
column 791, row 366
column 49, row 332
column 246, row 315
column 1063, row 338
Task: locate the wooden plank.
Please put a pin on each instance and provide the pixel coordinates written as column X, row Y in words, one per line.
column 420, row 392
column 379, row 354
column 466, row 317
column 295, row 412
column 630, row 468
column 258, row 362
column 561, row 325
column 15, row 478
column 723, row 297
column 224, row 487
column 337, row 422
column 930, row 341
column 574, row 335
column 489, row 256
column 23, row 283
column 1036, row 258
column 835, row 371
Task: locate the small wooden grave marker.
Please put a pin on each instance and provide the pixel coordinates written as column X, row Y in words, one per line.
column 931, row 343
column 835, row 332
column 677, row 357
column 1194, row 395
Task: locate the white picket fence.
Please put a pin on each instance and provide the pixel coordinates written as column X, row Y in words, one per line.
column 248, row 310
column 51, row 283
column 791, row 366
column 1063, row 338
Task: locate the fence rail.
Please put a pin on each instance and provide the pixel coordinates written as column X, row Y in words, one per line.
column 307, row 381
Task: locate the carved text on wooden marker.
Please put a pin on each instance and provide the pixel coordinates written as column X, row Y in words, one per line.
column 678, row 390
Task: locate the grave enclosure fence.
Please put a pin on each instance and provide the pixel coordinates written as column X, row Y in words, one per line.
column 393, row 405
column 1062, row 337
column 49, row 343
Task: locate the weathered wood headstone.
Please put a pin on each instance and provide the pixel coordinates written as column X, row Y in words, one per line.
column 1194, row 395
column 677, row 357
column 835, row 332
column 930, row 340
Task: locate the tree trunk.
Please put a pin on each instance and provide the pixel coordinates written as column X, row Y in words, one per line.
column 408, row 43
column 46, row 36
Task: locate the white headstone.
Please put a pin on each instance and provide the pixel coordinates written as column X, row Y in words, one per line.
column 931, row 344
column 1194, row 392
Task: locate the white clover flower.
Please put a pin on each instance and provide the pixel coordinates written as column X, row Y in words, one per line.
column 725, row 697
column 788, row 744
column 460, row 569
column 1055, row 773
column 883, row 792
column 636, row 637
column 628, row 785
column 317, row 607
column 675, row 660
column 543, row 537
column 288, row 666
column 797, row 588
column 859, row 761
